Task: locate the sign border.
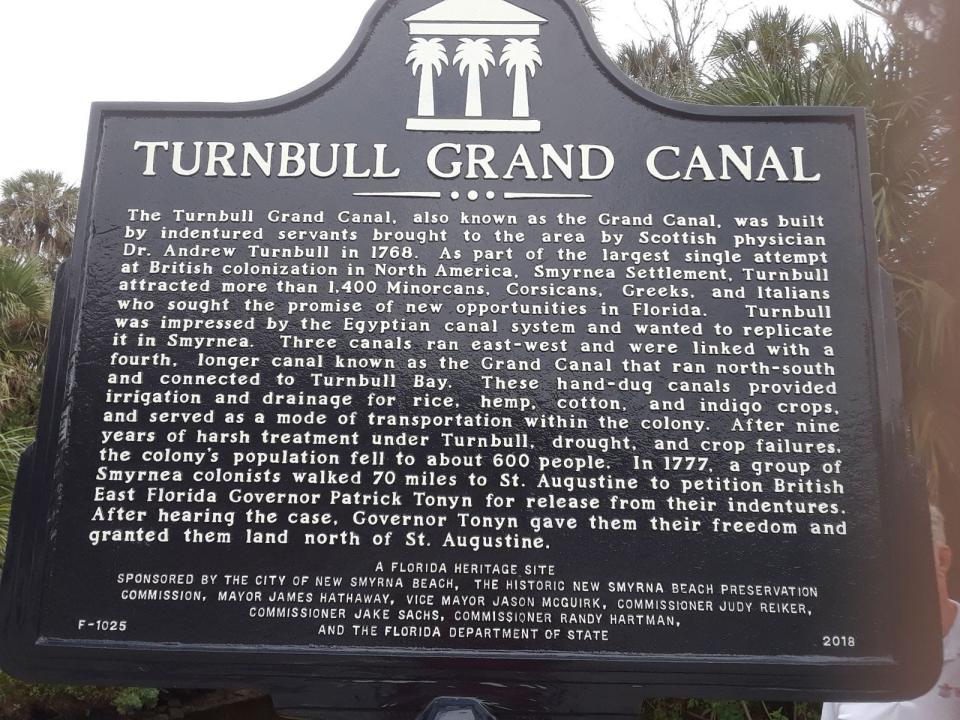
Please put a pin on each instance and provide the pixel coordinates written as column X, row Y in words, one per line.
column 348, row 677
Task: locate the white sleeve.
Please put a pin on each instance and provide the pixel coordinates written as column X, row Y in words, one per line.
column 830, row 712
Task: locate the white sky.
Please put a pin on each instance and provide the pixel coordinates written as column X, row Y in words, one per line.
column 58, row 56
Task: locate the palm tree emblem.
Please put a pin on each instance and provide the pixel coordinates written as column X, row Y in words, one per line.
column 474, row 57
column 521, row 58
column 428, row 58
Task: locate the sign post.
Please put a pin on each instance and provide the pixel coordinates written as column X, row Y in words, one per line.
column 473, row 370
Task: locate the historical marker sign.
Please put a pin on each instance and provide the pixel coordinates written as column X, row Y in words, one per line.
column 472, row 366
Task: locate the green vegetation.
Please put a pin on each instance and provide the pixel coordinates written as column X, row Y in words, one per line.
column 37, row 214
column 726, row 710
column 779, row 58
column 25, row 295
column 12, row 444
column 131, row 700
column 23, row 701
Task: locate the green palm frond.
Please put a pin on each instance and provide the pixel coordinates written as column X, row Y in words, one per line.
column 37, row 215
column 935, row 427
column 591, row 7
column 780, row 59
column 659, row 68
column 24, row 305
column 774, row 37
column 928, row 313
column 22, row 288
column 24, row 320
column 12, row 445
column 929, row 320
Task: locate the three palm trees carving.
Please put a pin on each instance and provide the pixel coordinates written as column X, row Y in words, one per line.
column 474, row 57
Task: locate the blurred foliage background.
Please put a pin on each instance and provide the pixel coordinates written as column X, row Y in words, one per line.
column 905, row 75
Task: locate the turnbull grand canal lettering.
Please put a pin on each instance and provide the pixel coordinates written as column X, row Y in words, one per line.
column 425, row 375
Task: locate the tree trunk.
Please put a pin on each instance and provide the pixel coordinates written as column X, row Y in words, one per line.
column 426, row 106
column 521, row 98
column 474, row 100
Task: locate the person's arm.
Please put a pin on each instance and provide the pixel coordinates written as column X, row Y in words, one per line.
column 830, row 712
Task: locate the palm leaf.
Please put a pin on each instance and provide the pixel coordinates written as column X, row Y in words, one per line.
column 37, row 215
column 12, row 445
column 778, row 59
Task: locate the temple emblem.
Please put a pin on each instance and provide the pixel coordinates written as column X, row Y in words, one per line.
column 474, row 37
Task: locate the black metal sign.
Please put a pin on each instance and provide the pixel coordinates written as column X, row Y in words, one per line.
column 473, row 368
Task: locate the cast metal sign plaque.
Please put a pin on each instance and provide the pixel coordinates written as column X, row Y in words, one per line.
column 473, row 369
